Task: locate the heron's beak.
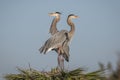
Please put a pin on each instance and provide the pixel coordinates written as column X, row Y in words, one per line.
column 50, row 14
column 76, row 16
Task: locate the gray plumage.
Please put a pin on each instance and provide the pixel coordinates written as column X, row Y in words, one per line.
column 53, row 29
column 59, row 39
column 56, row 40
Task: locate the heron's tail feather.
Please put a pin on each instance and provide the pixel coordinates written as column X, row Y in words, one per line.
column 41, row 49
column 66, row 57
column 66, row 52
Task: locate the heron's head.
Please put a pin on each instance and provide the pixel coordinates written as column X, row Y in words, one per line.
column 72, row 16
column 55, row 14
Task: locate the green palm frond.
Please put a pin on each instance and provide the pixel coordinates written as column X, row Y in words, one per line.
column 95, row 75
column 55, row 74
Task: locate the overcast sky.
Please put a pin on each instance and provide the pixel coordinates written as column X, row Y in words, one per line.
column 24, row 27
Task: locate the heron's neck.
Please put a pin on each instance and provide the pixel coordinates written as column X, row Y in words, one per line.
column 53, row 28
column 71, row 24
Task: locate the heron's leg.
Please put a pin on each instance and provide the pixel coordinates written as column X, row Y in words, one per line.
column 60, row 58
column 61, row 62
column 58, row 51
column 58, row 61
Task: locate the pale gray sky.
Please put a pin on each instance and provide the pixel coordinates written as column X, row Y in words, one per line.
column 24, row 26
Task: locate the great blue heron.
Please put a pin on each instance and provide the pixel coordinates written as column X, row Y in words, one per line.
column 53, row 30
column 59, row 40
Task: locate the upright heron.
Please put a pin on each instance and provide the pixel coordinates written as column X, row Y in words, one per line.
column 53, row 30
column 59, row 40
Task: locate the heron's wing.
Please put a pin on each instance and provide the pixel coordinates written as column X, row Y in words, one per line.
column 54, row 41
column 66, row 52
column 66, row 48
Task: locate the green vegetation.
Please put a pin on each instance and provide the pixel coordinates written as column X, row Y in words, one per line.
column 114, row 74
column 55, row 74
column 76, row 74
